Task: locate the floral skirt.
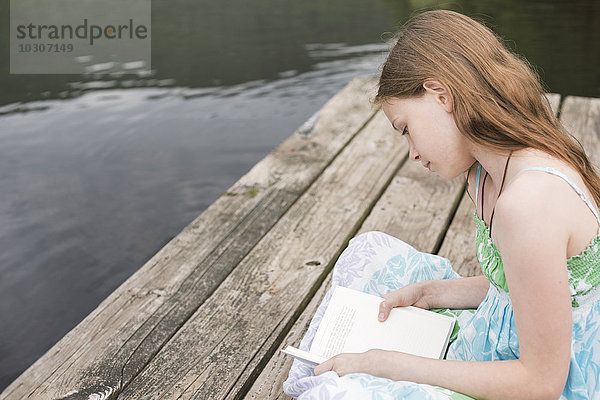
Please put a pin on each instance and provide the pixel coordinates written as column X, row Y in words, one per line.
column 376, row 263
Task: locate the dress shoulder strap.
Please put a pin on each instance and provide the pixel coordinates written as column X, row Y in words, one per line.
column 477, row 177
column 569, row 181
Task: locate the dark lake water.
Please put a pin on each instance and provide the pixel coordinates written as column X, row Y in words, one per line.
column 98, row 172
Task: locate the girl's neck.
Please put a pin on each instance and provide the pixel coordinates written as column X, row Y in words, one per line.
column 495, row 163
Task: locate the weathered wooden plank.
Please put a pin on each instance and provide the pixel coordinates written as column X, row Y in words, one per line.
column 416, row 207
column 554, row 100
column 225, row 344
column 109, row 348
column 459, row 243
column 581, row 117
column 269, row 384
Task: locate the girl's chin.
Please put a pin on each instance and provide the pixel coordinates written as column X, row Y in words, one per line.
column 448, row 174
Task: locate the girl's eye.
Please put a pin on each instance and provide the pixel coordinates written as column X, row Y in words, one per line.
column 405, row 131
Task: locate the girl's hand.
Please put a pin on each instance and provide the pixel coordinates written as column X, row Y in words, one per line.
column 348, row 363
column 410, row 295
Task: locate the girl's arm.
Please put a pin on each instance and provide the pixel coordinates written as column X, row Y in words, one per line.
column 461, row 293
column 532, row 232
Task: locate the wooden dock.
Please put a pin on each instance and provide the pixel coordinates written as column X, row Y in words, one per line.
column 206, row 316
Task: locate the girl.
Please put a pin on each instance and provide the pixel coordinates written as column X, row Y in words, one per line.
column 466, row 104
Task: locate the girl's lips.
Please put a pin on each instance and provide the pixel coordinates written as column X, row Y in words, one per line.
column 428, row 165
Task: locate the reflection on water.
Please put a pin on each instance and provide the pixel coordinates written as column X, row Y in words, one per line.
column 99, row 171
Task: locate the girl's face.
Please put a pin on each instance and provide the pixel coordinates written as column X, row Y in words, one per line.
column 433, row 138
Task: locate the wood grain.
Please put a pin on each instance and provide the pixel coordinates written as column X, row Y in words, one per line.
column 269, row 384
column 459, row 243
column 417, row 207
column 223, row 347
column 581, row 117
column 554, row 100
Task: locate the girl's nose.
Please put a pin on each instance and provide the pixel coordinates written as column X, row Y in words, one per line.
column 412, row 153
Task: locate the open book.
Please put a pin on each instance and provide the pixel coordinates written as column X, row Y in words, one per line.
column 350, row 325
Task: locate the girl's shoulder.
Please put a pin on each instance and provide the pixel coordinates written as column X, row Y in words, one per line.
column 548, row 202
column 532, row 212
column 543, row 185
column 548, row 179
column 547, row 176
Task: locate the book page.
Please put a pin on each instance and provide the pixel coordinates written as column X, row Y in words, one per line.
column 339, row 314
column 350, row 325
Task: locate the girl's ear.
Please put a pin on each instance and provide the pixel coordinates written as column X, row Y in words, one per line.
column 440, row 92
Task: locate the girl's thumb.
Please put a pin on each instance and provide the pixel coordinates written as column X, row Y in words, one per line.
column 384, row 310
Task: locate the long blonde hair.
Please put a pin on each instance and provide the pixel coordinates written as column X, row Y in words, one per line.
column 498, row 100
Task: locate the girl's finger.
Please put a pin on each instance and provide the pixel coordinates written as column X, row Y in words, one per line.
column 394, row 299
column 323, row 367
column 384, row 310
